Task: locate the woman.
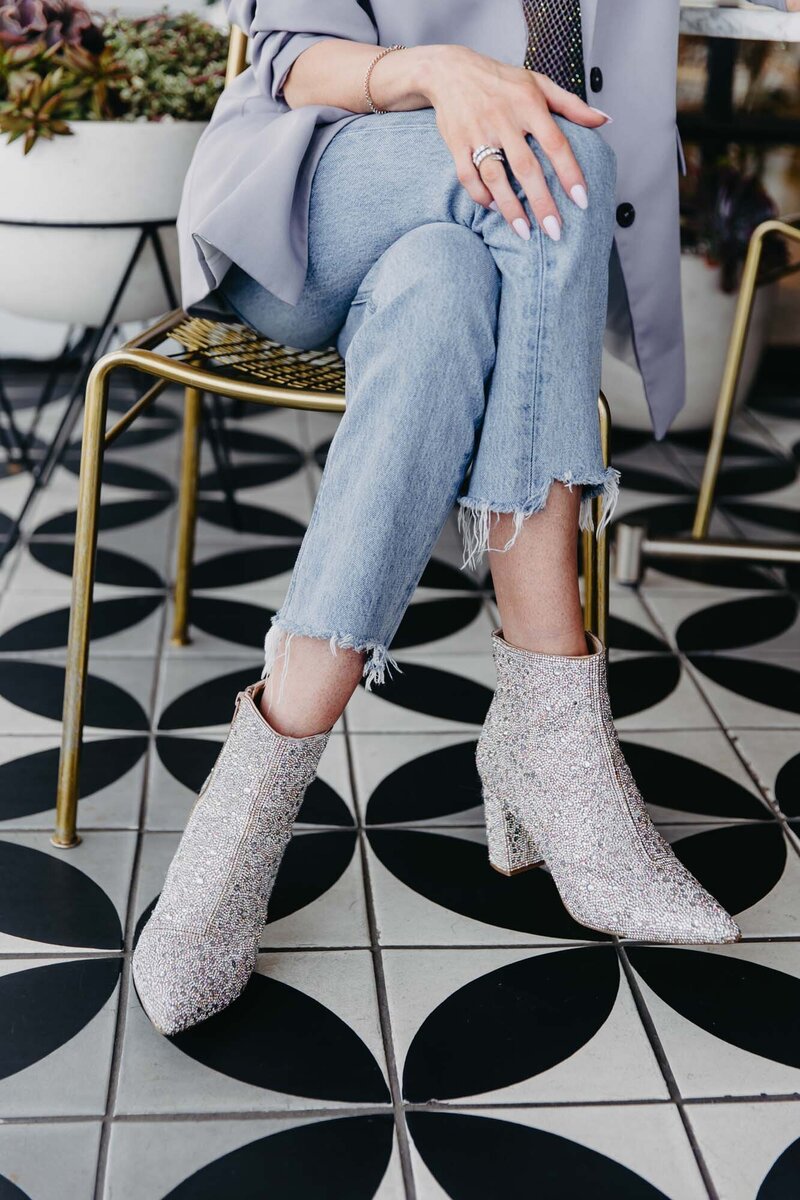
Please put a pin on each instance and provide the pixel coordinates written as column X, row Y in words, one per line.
column 439, row 199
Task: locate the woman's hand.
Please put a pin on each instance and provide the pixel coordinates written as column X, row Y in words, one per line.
column 480, row 101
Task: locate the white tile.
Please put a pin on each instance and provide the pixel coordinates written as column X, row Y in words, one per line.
column 473, row 638
column 681, row 708
column 145, row 1158
column 459, row 685
column 768, row 751
column 705, row 1065
column 140, row 637
column 475, row 906
column 704, row 750
column 78, row 892
column 739, row 711
column 51, row 1161
column 39, row 686
column 379, row 756
column 157, row 1076
column 51, row 1077
column 674, row 608
column 647, row 1140
column 615, row 1063
column 742, row 1143
column 115, row 806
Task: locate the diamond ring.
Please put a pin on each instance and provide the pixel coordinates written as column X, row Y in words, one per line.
column 483, row 152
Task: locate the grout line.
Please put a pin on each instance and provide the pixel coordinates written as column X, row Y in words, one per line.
column 666, row 1070
column 384, row 1014
column 130, row 914
column 300, row 1114
column 399, row 1106
column 529, row 947
column 521, row 947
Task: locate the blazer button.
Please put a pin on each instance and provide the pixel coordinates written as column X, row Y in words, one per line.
column 626, row 214
column 596, row 79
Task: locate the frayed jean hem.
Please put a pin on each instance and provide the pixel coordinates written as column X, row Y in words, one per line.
column 277, row 646
column 474, row 516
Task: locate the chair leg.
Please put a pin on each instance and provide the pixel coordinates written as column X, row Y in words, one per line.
column 187, row 514
column 595, row 549
column 91, row 473
column 730, row 380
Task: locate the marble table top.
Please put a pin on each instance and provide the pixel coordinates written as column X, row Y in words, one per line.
column 745, row 21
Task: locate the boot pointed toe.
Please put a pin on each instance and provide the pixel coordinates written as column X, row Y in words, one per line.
column 182, row 980
column 717, row 927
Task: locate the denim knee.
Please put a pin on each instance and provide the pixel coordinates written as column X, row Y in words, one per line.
column 595, row 157
column 453, row 274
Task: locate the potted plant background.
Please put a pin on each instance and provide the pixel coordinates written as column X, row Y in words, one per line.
column 100, row 115
column 723, row 199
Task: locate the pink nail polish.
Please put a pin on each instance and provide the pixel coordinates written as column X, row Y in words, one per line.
column 552, row 228
column 493, row 206
column 522, row 228
column 608, row 118
column 578, row 193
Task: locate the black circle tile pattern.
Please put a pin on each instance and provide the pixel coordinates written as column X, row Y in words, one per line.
column 474, row 1157
column 278, row 1038
column 41, row 1026
column 340, row 1159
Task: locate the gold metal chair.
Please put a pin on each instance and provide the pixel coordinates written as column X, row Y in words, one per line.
column 632, row 544
column 225, row 359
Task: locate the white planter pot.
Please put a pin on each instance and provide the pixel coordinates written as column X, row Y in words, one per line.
column 708, row 318
column 106, row 171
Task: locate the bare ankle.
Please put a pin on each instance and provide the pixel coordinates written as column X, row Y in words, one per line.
column 567, row 643
column 290, row 723
column 307, row 691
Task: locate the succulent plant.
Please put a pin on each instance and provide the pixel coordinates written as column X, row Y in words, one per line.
column 36, row 111
column 22, row 23
column 98, row 79
column 176, row 66
column 58, row 65
column 51, row 22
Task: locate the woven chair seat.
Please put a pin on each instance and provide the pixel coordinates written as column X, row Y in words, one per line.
column 237, row 350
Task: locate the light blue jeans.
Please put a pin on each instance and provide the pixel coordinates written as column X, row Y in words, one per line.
column 472, row 361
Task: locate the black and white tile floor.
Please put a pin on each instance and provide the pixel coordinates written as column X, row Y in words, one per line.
column 418, row 1026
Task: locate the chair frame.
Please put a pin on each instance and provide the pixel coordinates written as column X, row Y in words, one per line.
column 633, row 545
column 139, row 355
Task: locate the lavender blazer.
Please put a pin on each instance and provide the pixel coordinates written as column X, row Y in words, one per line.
column 245, row 198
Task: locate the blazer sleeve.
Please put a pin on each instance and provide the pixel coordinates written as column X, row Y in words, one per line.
column 280, row 30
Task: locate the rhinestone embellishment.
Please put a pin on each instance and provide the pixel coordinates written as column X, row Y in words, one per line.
column 557, row 788
column 198, row 949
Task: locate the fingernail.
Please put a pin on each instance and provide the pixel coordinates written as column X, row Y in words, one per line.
column 493, row 206
column 602, row 114
column 552, row 228
column 578, row 193
column 522, row 228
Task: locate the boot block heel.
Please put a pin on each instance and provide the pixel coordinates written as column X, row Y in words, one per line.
column 512, row 850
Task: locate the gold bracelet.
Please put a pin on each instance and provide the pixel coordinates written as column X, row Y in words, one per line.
column 386, row 50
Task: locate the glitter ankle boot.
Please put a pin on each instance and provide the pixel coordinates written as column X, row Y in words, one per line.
column 198, row 949
column 557, row 788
